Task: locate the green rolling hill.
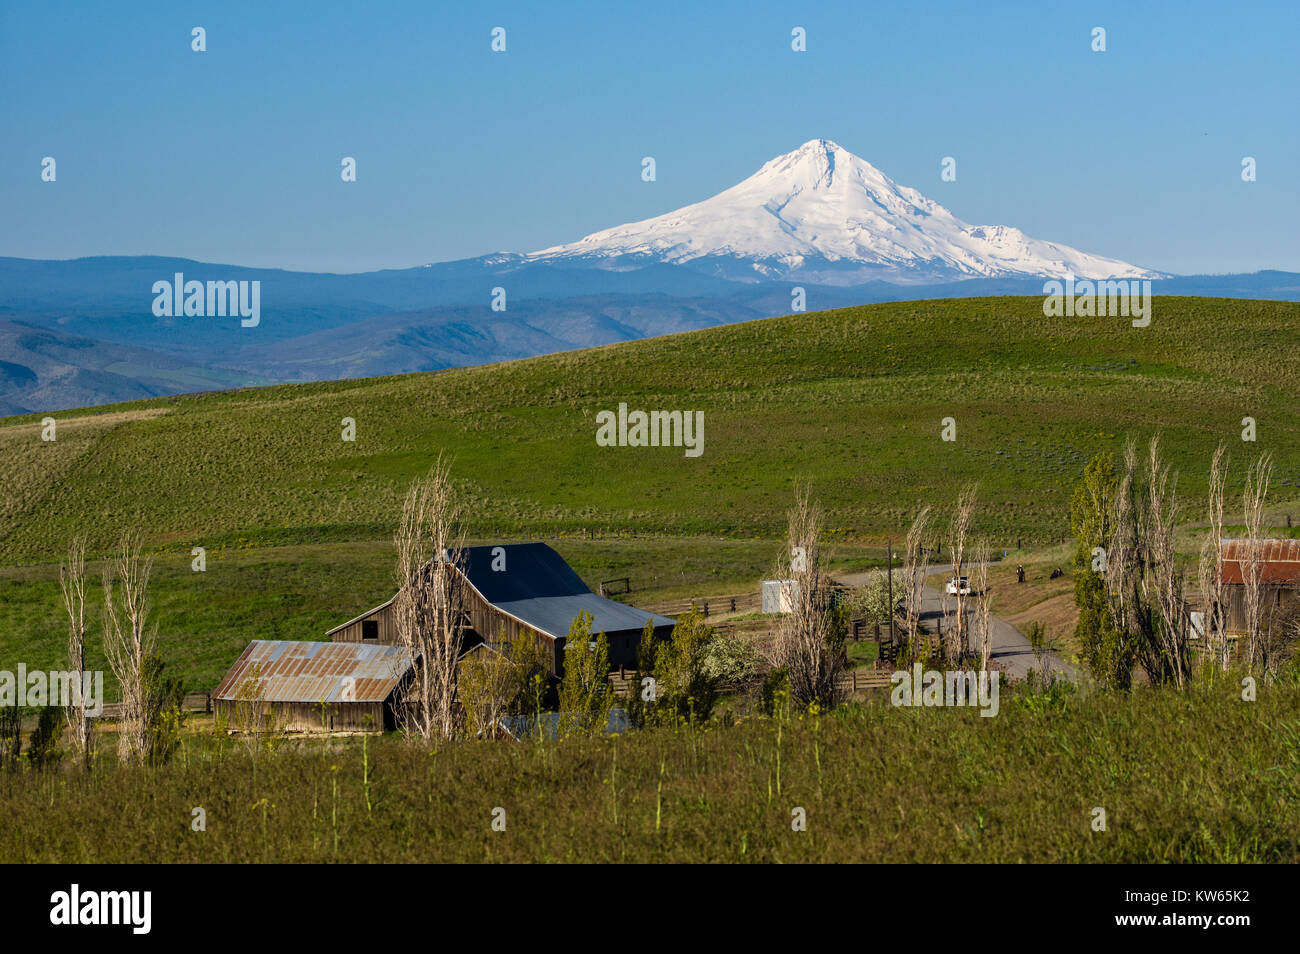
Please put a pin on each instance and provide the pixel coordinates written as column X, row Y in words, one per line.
column 850, row 400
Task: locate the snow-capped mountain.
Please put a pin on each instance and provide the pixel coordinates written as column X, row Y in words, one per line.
column 824, row 215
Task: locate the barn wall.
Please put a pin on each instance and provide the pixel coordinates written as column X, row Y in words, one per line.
column 387, row 628
column 1277, row 600
column 307, row 716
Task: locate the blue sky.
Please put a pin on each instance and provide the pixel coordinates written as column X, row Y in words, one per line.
column 233, row 155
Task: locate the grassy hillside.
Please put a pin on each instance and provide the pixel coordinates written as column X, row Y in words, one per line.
column 851, row 400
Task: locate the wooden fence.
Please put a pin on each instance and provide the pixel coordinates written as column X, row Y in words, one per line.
column 194, row 702
column 709, row 605
column 607, row 586
column 859, row 681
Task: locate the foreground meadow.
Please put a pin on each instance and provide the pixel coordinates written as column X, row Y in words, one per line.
column 1200, row 776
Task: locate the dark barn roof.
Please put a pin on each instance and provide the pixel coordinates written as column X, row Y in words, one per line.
column 296, row 671
column 541, row 590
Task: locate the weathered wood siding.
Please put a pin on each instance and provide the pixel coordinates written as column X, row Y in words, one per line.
column 309, row 717
column 1277, row 603
column 383, row 615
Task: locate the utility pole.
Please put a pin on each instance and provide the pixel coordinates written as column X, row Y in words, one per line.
column 891, row 591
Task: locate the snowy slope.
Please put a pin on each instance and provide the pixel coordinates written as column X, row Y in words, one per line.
column 823, row 214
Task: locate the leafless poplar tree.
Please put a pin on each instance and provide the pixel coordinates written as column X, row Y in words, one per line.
column 981, row 618
column 429, row 604
column 1167, row 654
column 805, row 643
column 955, row 639
column 72, row 581
column 1209, row 574
column 128, row 640
column 253, row 717
column 915, row 564
column 1145, row 584
column 1252, row 561
column 1125, row 559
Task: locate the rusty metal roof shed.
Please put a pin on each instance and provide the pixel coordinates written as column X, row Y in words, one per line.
column 1279, row 559
column 297, row 671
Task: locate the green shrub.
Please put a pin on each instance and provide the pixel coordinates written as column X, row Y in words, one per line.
column 585, row 693
column 774, row 694
column 164, row 712
column 43, row 747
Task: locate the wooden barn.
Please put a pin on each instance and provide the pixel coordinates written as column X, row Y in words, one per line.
column 298, row 686
column 511, row 588
column 1279, row 579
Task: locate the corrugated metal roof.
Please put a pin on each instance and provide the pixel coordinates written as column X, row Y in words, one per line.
column 538, row 587
column 294, row 671
column 554, row 615
column 1281, row 561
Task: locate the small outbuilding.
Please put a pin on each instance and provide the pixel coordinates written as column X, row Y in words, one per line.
column 779, row 596
column 299, row 686
column 1279, row 578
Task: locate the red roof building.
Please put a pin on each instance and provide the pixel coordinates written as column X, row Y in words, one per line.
column 1280, row 561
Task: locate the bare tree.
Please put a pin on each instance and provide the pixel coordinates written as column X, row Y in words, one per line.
column 915, row 565
column 254, row 719
column 1209, row 574
column 429, row 606
column 1145, row 583
column 128, row 641
column 1252, row 565
column 955, row 640
column 805, row 642
column 1125, row 559
column 1126, row 564
column 1167, row 654
column 72, row 581
column 981, row 617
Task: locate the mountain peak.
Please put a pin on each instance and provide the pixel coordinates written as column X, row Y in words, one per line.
column 822, row 149
column 822, row 214
column 818, row 157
